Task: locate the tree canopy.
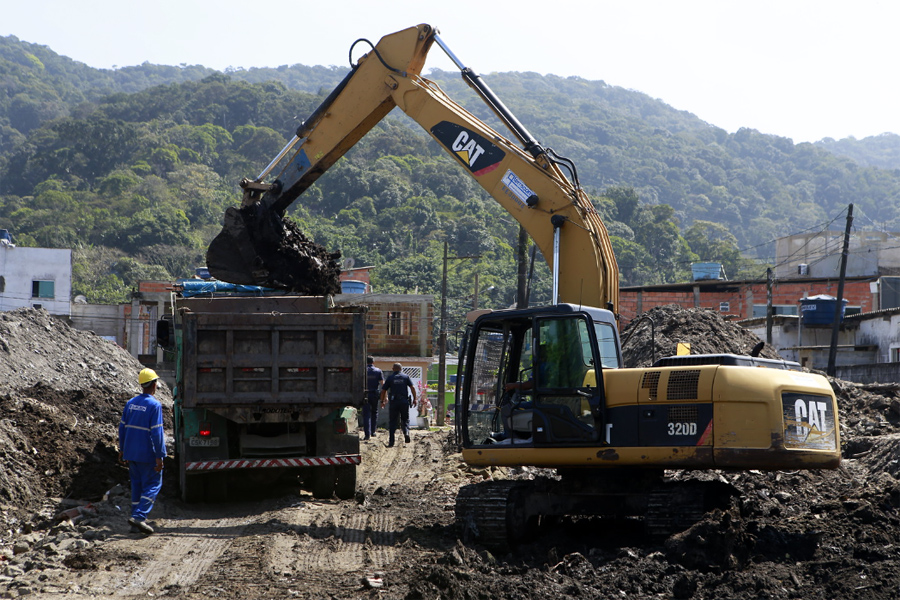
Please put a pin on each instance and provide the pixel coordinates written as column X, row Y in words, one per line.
column 134, row 168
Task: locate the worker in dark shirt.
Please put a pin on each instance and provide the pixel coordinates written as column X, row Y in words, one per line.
column 396, row 386
column 142, row 446
column 374, row 381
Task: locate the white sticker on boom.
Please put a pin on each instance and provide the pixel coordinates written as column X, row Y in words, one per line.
column 516, row 188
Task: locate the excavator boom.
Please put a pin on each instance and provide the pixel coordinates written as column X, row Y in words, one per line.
column 527, row 180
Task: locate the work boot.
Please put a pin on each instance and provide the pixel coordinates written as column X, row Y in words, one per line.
column 140, row 526
column 406, row 438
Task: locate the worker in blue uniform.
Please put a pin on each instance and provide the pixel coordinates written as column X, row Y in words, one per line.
column 374, row 379
column 142, row 446
column 395, row 387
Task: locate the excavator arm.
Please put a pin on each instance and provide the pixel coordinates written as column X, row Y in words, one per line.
column 529, row 181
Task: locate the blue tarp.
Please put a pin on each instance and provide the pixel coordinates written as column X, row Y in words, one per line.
column 200, row 287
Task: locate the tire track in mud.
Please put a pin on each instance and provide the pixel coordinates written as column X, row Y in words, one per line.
column 243, row 571
column 386, row 465
column 360, row 541
column 180, row 555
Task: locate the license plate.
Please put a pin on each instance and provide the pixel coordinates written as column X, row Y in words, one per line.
column 210, row 442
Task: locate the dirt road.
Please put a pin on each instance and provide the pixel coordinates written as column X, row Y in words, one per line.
column 279, row 542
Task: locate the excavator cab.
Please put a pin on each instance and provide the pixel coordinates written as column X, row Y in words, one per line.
column 529, row 377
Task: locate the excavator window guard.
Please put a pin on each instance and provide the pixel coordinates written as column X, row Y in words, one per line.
column 528, row 382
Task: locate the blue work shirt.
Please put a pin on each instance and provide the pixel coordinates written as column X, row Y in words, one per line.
column 141, row 436
column 374, row 377
column 397, row 386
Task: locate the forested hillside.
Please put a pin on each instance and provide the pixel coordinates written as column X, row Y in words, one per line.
column 134, row 167
column 874, row 151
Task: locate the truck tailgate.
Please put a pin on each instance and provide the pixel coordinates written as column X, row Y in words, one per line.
column 304, row 359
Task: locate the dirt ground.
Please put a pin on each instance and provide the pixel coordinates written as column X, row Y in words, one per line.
column 800, row 534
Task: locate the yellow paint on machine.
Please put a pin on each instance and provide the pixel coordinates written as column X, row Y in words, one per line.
column 747, row 429
column 597, row 457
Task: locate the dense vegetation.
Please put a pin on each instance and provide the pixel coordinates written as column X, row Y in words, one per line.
column 134, row 167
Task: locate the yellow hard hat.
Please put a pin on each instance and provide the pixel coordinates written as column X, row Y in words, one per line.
column 146, row 376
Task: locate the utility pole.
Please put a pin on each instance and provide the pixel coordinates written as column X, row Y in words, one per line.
column 839, row 305
column 442, row 346
column 769, row 309
column 441, row 407
column 522, row 273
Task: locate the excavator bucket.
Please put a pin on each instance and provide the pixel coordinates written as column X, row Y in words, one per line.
column 258, row 247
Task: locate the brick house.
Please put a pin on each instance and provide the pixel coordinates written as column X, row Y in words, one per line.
column 399, row 329
column 747, row 299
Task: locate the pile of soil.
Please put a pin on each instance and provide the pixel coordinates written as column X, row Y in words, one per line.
column 657, row 333
column 61, row 397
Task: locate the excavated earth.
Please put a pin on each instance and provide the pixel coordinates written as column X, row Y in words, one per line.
column 798, row 534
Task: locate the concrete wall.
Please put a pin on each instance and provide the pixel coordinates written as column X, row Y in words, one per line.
column 21, row 267
column 877, row 373
column 882, row 331
column 869, row 252
column 106, row 320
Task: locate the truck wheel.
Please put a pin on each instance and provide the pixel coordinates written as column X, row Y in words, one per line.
column 191, row 488
column 345, row 486
column 217, row 487
column 323, row 482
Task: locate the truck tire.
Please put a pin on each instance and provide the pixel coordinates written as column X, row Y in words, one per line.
column 345, row 485
column 191, row 487
column 322, row 484
column 216, row 487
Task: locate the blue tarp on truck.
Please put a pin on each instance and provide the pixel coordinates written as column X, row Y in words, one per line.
column 201, row 287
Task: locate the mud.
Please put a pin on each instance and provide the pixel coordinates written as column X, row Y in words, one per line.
column 657, row 333
column 788, row 534
column 256, row 248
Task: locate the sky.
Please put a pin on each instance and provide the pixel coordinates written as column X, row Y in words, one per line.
column 800, row 69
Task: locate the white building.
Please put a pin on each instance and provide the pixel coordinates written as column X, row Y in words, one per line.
column 35, row 278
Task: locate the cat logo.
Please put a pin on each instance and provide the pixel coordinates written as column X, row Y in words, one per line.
column 466, row 148
column 474, row 151
column 809, row 421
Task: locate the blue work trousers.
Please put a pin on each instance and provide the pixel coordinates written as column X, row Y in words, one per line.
column 398, row 411
column 370, row 414
column 145, row 486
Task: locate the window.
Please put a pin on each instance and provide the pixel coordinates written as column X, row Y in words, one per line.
column 759, row 310
column 398, row 323
column 564, row 354
column 724, row 306
column 42, row 289
column 609, row 350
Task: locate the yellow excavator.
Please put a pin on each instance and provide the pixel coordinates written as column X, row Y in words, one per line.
column 545, row 386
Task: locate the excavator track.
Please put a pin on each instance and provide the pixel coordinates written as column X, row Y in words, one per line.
column 482, row 511
column 497, row 514
column 670, row 510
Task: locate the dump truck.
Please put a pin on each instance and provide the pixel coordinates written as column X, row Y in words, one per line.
column 267, row 387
